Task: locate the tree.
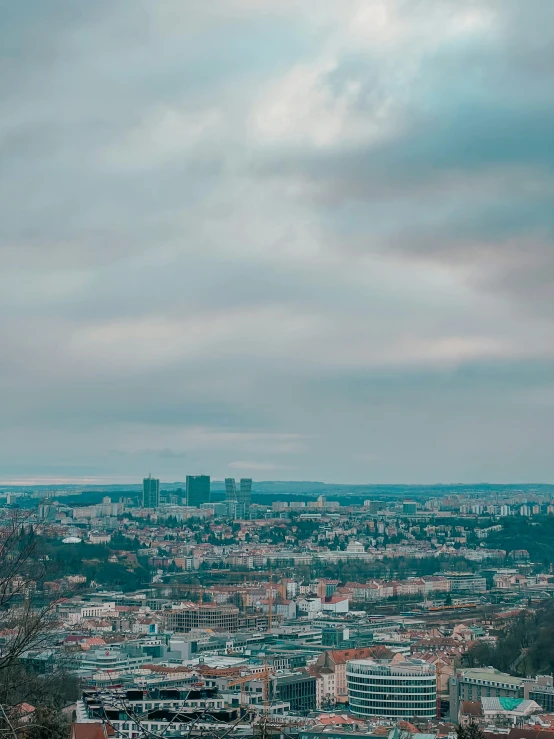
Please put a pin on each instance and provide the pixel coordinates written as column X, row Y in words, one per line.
column 47, row 723
column 24, row 610
column 471, row 731
column 461, row 732
column 478, row 655
column 27, row 618
column 474, row 731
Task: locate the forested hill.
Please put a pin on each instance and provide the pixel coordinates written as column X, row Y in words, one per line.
column 534, row 535
column 525, row 648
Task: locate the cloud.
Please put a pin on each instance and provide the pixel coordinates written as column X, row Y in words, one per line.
column 254, row 466
column 280, row 232
column 147, row 453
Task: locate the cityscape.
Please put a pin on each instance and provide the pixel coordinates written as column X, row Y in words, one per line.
column 206, row 607
column 277, row 369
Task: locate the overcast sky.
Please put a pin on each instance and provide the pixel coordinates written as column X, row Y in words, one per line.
column 286, row 239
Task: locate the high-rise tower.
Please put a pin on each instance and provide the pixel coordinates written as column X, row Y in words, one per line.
column 150, row 492
column 238, row 497
column 198, row 490
column 245, row 493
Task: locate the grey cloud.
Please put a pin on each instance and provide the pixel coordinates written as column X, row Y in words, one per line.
column 177, row 280
column 467, row 177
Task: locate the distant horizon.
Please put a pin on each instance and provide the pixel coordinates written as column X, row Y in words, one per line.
column 44, row 481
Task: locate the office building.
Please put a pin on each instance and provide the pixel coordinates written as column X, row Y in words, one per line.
column 373, row 505
column 397, row 689
column 114, row 659
column 230, row 490
column 409, row 507
column 472, row 684
column 239, row 497
column 150, row 492
column 198, row 490
column 188, row 616
column 541, row 691
column 462, row 582
column 245, row 491
column 297, row 689
column 219, row 509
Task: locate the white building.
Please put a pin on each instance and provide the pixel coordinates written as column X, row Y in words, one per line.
column 325, row 688
column 74, row 613
column 336, row 605
column 355, row 547
column 99, row 537
column 398, row 689
column 309, row 607
column 112, row 660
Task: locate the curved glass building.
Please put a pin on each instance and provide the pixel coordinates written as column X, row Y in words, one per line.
column 400, row 689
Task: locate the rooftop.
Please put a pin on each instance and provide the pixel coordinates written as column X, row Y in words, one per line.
column 394, row 666
column 490, row 674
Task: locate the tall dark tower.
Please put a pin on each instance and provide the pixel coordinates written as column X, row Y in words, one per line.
column 150, row 492
column 198, row 490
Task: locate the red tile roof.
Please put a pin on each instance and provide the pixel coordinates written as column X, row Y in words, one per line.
column 91, row 731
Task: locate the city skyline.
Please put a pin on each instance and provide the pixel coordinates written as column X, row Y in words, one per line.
column 277, row 240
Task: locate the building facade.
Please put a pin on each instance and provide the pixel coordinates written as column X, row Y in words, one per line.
column 188, row 616
column 239, row 497
column 298, row 689
column 198, row 490
column 150, row 492
column 472, row 684
column 466, row 582
column 396, row 689
column 542, row 694
column 335, row 660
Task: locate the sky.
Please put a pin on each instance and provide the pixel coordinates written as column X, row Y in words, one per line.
column 287, row 240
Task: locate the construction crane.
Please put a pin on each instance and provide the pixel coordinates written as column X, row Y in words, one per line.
column 270, row 602
column 265, row 676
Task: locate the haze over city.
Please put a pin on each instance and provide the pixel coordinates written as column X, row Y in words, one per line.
column 282, row 240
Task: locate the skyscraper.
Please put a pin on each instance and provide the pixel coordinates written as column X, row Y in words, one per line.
column 150, row 492
column 198, row 490
column 240, row 497
column 231, row 497
column 245, row 493
column 230, row 490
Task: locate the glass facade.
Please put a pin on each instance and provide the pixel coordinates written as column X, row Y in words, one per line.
column 300, row 692
column 544, row 696
column 150, row 493
column 392, row 690
column 198, row 490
